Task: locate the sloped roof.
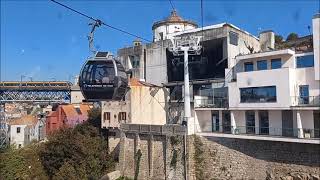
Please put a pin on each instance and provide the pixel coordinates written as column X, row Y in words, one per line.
column 136, row 82
column 72, row 110
column 25, row 120
column 173, row 18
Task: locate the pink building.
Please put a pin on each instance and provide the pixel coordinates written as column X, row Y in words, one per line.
column 66, row 116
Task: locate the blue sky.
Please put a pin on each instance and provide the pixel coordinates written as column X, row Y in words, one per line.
column 46, row 41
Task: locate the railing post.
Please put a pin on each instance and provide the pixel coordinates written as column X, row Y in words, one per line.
column 299, row 125
column 233, row 123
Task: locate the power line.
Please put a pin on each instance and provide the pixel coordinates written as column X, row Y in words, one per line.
column 103, row 23
column 172, row 5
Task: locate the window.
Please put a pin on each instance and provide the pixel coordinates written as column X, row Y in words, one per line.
column 122, row 116
column 276, row 63
column 262, row 65
column 106, row 116
column 250, row 122
column 304, row 94
column 234, row 38
column 18, row 129
column 175, row 93
column 258, row 94
column 264, row 122
column 305, row 61
column 248, row 66
column 78, row 110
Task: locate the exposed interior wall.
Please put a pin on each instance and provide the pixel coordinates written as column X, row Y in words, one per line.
column 156, row 65
column 148, row 105
column 210, row 64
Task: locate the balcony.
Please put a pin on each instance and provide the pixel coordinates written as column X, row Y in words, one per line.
column 304, row 101
column 313, row 134
column 210, row 102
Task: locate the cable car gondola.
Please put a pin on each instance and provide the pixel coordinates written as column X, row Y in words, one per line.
column 103, row 78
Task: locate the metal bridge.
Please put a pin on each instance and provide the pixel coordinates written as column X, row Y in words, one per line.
column 32, row 92
column 35, row 91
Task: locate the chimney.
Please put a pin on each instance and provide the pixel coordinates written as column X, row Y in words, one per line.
column 266, row 40
column 137, row 42
column 316, row 44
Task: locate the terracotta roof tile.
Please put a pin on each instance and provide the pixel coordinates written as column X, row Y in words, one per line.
column 25, row 120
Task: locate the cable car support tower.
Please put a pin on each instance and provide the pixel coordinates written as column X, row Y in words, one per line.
column 185, row 46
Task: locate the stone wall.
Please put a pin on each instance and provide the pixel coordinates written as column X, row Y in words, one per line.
column 152, row 152
column 226, row 158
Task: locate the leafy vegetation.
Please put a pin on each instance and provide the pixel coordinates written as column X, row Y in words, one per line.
column 79, row 153
column 198, row 157
column 292, row 36
column 137, row 157
column 278, row 39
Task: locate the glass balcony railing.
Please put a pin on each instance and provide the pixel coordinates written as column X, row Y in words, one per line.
column 211, row 103
column 264, row 131
column 306, row 100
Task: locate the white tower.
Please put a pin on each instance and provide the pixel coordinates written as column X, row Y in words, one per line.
column 174, row 23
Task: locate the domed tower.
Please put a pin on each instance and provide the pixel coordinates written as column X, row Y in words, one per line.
column 174, row 23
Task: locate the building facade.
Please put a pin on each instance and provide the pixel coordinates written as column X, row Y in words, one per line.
column 24, row 130
column 144, row 104
column 66, row 116
column 271, row 93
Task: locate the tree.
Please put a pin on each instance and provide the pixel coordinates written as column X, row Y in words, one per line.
column 94, row 117
column 278, row 39
column 292, row 36
column 76, row 150
column 21, row 163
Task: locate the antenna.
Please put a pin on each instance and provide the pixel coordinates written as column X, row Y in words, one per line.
column 96, row 23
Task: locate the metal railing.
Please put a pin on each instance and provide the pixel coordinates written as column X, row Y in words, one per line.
column 211, row 103
column 265, row 131
column 306, row 100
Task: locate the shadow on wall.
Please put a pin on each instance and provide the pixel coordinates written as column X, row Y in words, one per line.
column 279, row 152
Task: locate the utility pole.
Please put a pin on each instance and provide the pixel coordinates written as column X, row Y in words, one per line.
column 185, row 46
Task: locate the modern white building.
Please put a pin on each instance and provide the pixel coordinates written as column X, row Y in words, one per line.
column 240, row 83
column 271, row 92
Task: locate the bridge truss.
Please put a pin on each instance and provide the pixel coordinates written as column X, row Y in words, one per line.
column 29, row 92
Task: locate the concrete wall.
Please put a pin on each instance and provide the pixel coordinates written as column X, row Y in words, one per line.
column 76, row 95
column 305, row 76
column 168, row 29
column 275, row 77
column 241, row 48
column 156, row 66
column 148, row 105
column 316, row 45
column 225, row 158
column 204, row 119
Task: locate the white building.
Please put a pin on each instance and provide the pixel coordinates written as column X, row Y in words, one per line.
column 272, row 92
column 24, row 130
column 174, row 23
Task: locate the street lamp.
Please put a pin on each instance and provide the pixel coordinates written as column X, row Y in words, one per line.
column 22, row 76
